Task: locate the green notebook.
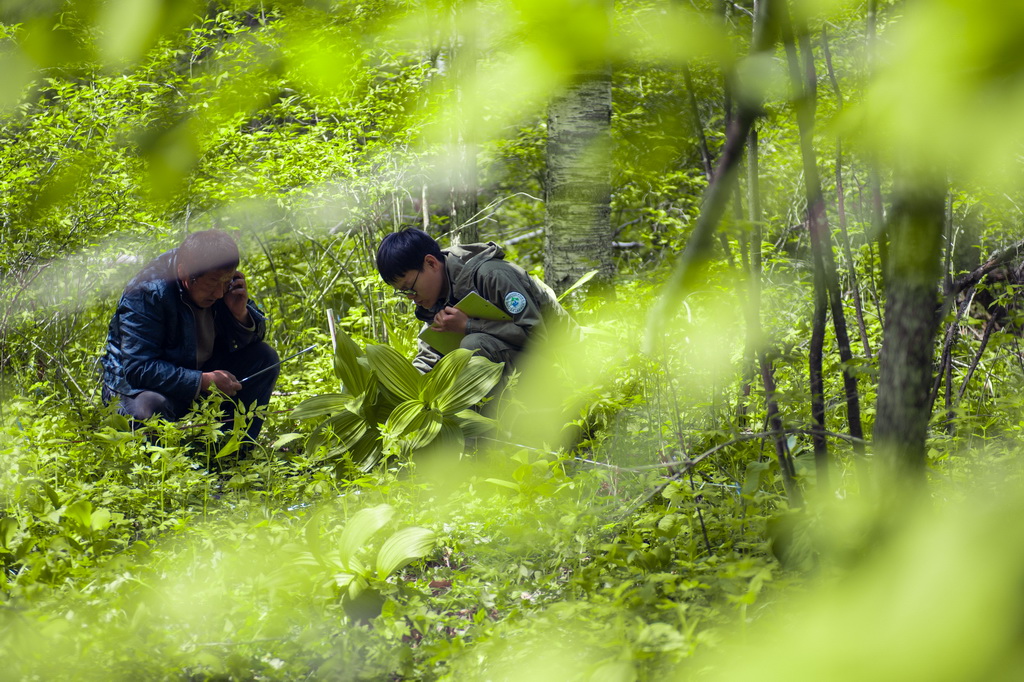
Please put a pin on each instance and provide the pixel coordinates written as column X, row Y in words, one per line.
column 475, row 306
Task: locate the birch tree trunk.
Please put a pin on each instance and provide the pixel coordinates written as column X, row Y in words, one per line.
column 462, row 204
column 578, row 187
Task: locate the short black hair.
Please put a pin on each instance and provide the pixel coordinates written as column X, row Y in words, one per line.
column 207, row 250
column 402, row 251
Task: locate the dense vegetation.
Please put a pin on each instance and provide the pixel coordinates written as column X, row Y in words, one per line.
column 692, row 491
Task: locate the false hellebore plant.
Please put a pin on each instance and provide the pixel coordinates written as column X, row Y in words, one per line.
column 387, row 406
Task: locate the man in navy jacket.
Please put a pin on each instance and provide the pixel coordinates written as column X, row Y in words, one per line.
column 183, row 327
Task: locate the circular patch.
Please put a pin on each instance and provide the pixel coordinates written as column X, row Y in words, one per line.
column 515, row 302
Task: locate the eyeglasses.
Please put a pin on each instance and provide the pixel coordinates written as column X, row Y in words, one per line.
column 411, row 291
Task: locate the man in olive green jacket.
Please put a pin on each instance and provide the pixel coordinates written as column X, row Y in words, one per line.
column 436, row 279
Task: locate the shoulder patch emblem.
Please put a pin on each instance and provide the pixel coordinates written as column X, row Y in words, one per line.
column 515, row 302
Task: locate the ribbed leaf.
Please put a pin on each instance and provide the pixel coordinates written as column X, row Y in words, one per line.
column 444, row 374
column 450, row 436
column 340, row 432
column 319, row 405
column 402, row 417
column 474, row 382
column 395, row 372
column 360, row 528
column 367, row 451
column 352, row 373
column 403, row 547
column 475, row 424
column 424, row 429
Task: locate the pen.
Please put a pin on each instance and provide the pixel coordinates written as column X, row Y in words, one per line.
column 265, row 369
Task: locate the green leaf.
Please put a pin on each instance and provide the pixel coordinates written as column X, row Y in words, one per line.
column 100, row 519
column 403, row 547
column 80, row 512
column 752, row 478
column 474, row 424
column 424, row 429
column 451, row 436
column 320, row 405
column 367, row 451
column 228, row 448
column 395, row 372
column 505, row 484
column 341, row 432
column 472, row 384
column 8, row 529
column 440, row 379
column 361, row 527
column 353, row 374
column 577, row 284
column 285, row 440
column 402, row 417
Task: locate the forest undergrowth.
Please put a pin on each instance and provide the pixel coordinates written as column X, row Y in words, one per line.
column 161, row 553
column 624, row 539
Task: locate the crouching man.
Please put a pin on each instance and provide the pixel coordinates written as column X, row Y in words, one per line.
column 184, row 326
column 435, row 279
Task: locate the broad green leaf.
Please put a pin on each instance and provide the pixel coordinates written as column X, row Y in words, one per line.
column 473, row 383
column 285, row 440
column 80, row 512
column 368, row 450
column 229, row 447
column 320, row 405
column 353, row 374
column 752, row 479
column 505, row 484
column 424, row 429
column 403, row 547
column 361, row 527
column 577, row 284
column 342, row 431
column 342, row 580
column 443, row 376
column 451, row 436
column 475, row 424
column 8, row 528
column 100, row 519
column 398, row 423
column 356, row 586
column 395, row 372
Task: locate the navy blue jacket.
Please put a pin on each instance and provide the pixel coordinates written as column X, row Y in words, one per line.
column 151, row 343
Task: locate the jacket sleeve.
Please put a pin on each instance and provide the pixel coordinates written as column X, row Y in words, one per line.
column 235, row 335
column 426, row 356
column 498, row 282
column 145, row 325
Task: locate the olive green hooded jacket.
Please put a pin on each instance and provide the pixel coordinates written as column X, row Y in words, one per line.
column 482, row 268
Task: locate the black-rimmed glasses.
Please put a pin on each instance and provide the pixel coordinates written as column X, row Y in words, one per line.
column 411, row 291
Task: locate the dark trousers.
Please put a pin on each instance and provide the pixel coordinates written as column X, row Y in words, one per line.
column 242, row 363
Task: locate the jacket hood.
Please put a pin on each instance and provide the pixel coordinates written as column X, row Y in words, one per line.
column 467, row 260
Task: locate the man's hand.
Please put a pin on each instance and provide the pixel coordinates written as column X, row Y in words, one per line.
column 237, row 297
column 225, row 382
column 450, row 320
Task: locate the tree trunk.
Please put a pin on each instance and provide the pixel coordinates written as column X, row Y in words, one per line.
column 858, row 305
column 826, row 277
column 463, row 183
column 691, row 263
column 578, row 188
column 911, row 322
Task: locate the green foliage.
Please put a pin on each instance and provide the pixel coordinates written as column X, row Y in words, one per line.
column 312, row 129
column 388, row 407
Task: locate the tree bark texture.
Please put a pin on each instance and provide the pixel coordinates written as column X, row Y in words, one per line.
column 578, row 188
column 463, row 183
column 909, row 332
column 826, row 279
column 858, row 305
